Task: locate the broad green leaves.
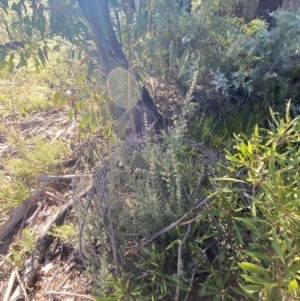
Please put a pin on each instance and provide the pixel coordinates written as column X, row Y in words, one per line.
column 276, row 246
column 255, row 269
column 293, row 286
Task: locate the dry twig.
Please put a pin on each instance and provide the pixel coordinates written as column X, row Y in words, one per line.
column 179, row 263
column 46, row 178
column 171, row 226
column 17, row 276
column 21, row 285
column 191, row 280
column 71, row 295
column 10, row 285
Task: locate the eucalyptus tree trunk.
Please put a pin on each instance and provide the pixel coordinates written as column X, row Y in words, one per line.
column 265, row 7
column 97, row 14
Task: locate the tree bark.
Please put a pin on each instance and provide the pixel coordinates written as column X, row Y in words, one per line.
column 97, row 14
column 265, row 7
column 98, row 35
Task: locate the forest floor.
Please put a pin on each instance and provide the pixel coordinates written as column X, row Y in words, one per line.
column 61, row 273
column 38, row 138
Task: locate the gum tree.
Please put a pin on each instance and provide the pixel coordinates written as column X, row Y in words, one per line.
column 79, row 21
column 114, row 26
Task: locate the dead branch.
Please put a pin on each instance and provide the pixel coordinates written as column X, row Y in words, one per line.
column 188, row 230
column 12, row 45
column 16, row 295
column 53, row 197
column 64, row 281
column 10, row 285
column 88, row 203
column 21, row 285
column 45, row 239
column 18, row 214
column 43, row 242
column 101, row 190
column 168, row 228
column 113, row 241
column 190, row 221
column 71, row 295
column 191, row 280
column 46, row 178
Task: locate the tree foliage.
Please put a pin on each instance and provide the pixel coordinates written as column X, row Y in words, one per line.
column 160, row 38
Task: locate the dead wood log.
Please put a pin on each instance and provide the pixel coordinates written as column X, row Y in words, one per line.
column 19, row 214
column 45, row 239
column 43, row 242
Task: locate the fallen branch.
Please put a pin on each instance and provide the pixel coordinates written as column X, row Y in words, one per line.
column 45, row 239
column 19, row 214
column 12, row 45
column 64, row 281
column 46, row 178
column 20, row 286
column 16, row 295
column 53, row 197
column 81, row 228
column 179, row 263
column 71, row 295
column 43, row 242
column 170, row 227
column 10, row 285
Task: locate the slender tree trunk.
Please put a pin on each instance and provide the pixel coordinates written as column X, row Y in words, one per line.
column 97, row 14
column 239, row 10
column 265, row 7
column 110, row 33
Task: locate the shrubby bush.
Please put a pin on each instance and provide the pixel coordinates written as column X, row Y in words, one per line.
column 253, row 66
column 236, row 221
column 258, row 193
column 237, row 61
column 240, row 244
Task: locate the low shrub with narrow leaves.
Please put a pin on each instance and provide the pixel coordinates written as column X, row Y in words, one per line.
column 241, row 244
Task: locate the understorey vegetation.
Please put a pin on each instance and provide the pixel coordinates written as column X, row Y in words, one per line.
column 191, row 190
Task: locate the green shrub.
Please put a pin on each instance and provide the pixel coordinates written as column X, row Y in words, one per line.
column 149, row 185
column 237, row 61
column 23, row 246
column 241, row 244
column 65, row 232
column 260, row 190
column 33, row 157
